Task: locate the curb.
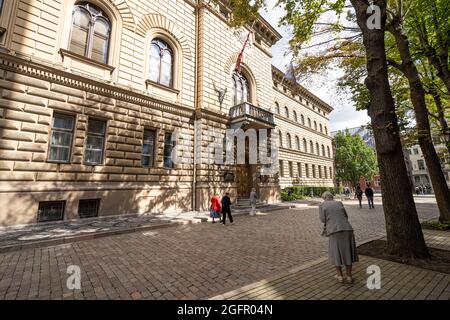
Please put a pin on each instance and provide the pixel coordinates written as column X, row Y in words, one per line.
column 95, row 235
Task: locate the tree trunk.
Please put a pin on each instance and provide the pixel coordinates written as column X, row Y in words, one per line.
column 417, row 94
column 404, row 233
column 441, row 115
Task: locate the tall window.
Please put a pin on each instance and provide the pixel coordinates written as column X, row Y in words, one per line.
column 297, row 143
column 317, row 149
column 315, row 125
column 95, row 141
column 302, row 119
column 309, row 122
column 277, row 108
column 1, row 6
column 320, row 127
column 305, row 145
column 311, row 147
column 307, row 170
column 326, row 130
column 168, row 148
column 286, row 112
column 320, row 171
column 421, row 164
column 148, row 149
column 295, row 116
column 299, row 169
column 325, row 172
column 241, row 90
column 61, row 138
column 91, row 30
column 331, row 173
column 280, row 138
column 323, row 150
column 161, row 63
column 314, row 170
column 281, row 168
column 288, row 140
column 328, row 152
column 291, row 169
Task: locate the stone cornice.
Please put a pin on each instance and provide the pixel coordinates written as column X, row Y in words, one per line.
column 44, row 72
column 312, row 155
column 278, row 76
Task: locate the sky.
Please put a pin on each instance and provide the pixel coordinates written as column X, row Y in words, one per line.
column 344, row 114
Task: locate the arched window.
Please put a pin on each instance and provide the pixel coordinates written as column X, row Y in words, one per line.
column 326, row 130
column 320, row 126
column 295, row 116
column 91, row 30
column 303, row 119
column 323, row 150
column 305, row 145
column 309, row 122
column 280, row 137
column 241, row 89
column 286, row 112
column 311, row 147
column 161, row 62
column 328, row 152
column 317, row 149
column 277, row 108
column 315, row 125
column 297, row 143
column 289, row 141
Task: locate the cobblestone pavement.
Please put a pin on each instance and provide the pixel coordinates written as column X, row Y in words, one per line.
column 185, row 262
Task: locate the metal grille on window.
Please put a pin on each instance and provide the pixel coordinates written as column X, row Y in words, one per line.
column 148, row 149
column 95, row 141
column 161, row 62
column 168, row 148
column 91, row 31
column 88, row 208
column 51, row 211
column 61, row 138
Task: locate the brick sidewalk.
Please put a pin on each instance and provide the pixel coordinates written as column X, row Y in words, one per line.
column 315, row 281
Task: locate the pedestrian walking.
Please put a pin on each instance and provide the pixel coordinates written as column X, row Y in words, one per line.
column 359, row 194
column 417, row 190
column 341, row 240
column 369, row 194
column 253, row 198
column 214, row 209
column 226, row 208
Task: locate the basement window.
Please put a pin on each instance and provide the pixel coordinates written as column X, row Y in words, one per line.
column 88, row 208
column 51, row 211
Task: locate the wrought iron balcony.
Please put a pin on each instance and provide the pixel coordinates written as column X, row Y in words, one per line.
column 249, row 113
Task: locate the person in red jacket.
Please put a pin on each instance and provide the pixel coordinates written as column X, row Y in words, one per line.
column 214, row 209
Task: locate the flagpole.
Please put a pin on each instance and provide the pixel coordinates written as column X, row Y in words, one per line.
column 237, row 69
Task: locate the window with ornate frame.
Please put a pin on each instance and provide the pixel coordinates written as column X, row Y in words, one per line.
column 241, row 88
column 161, row 62
column 90, row 32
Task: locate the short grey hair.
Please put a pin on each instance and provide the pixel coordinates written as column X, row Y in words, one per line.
column 327, row 195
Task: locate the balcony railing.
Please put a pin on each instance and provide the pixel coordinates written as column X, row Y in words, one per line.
column 247, row 110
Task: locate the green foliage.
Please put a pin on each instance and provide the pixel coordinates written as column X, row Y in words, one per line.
column 436, row 225
column 353, row 158
column 302, row 192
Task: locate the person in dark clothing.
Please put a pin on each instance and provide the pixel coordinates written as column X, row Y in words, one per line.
column 359, row 194
column 226, row 208
column 369, row 194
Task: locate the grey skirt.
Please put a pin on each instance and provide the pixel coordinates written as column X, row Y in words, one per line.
column 342, row 248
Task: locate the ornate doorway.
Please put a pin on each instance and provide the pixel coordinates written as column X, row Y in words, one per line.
column 243, row 180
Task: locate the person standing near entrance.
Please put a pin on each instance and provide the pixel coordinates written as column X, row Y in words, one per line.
column 226, row 208
column 214, row 210
column 369, row 194
column 253, row 198
column 359, row 194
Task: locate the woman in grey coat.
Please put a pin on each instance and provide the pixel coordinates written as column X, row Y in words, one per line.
column 341, row 241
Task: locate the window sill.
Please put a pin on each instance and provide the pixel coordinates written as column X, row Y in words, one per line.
column 162, row 91
column 86, row 65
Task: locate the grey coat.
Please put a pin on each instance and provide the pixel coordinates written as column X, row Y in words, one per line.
column 333, row 214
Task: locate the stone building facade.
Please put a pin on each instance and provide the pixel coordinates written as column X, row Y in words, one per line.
column 101, row 99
